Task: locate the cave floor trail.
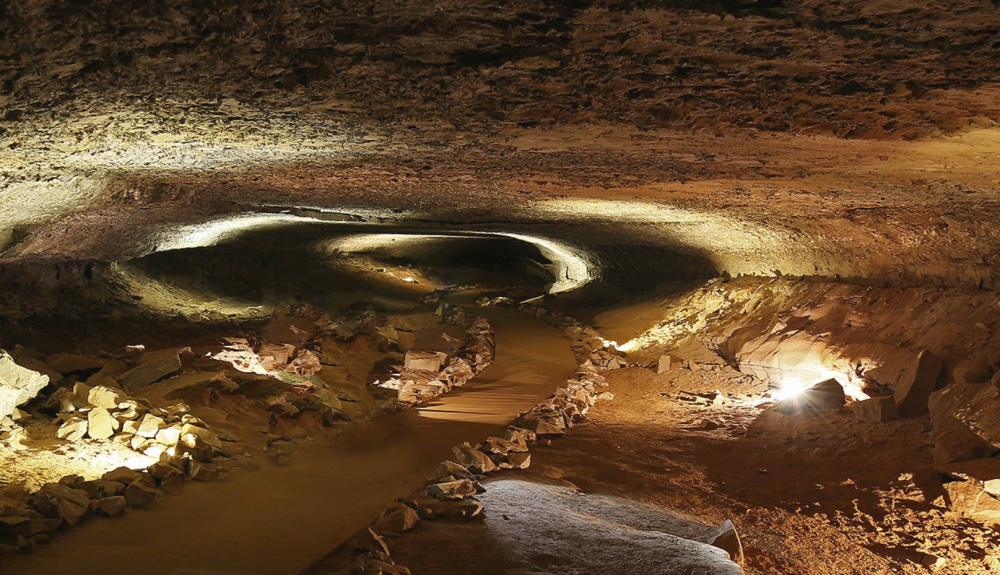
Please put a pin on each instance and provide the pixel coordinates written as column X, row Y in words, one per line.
column 279, row 520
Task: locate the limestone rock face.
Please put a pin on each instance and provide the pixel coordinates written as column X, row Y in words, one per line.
column 917, row 384
column 17, row 384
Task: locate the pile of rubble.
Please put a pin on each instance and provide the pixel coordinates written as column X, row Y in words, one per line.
column 427, row 375
column 95, row 399
column 28, row 519
column 107, row 413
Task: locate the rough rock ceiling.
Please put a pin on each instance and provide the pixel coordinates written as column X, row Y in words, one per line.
column 728, row 129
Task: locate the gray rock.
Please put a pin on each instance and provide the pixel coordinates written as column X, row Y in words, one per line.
column 875, row 410
column 917, row 383
column 17, row 384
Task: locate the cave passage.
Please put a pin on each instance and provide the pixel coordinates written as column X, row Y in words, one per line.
column 315, row 287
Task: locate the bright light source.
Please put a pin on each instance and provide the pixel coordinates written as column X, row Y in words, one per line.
column 409, row 279
column 627, row 346
column 791, row 386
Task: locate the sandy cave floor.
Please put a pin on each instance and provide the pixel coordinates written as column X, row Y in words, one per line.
column 810, row 495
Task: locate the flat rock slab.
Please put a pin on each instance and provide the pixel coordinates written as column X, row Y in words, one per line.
column 155, row 365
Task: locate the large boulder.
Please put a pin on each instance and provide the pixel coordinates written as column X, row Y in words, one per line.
column 17, row 384
column 917, row 383
column 957, row 413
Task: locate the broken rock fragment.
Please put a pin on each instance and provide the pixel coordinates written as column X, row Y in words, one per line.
column 106, row 397
column 66, row 363
column 968, row 497
column 111, row 506
column 875, row 410
column 100, row 423
column 58, row 501
column 153, row 367
column 17, row 384
column 459, row 489
column 397, row 518
column 424, row 360
column 74, row 429
column 472, row 459
column 139, row 495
